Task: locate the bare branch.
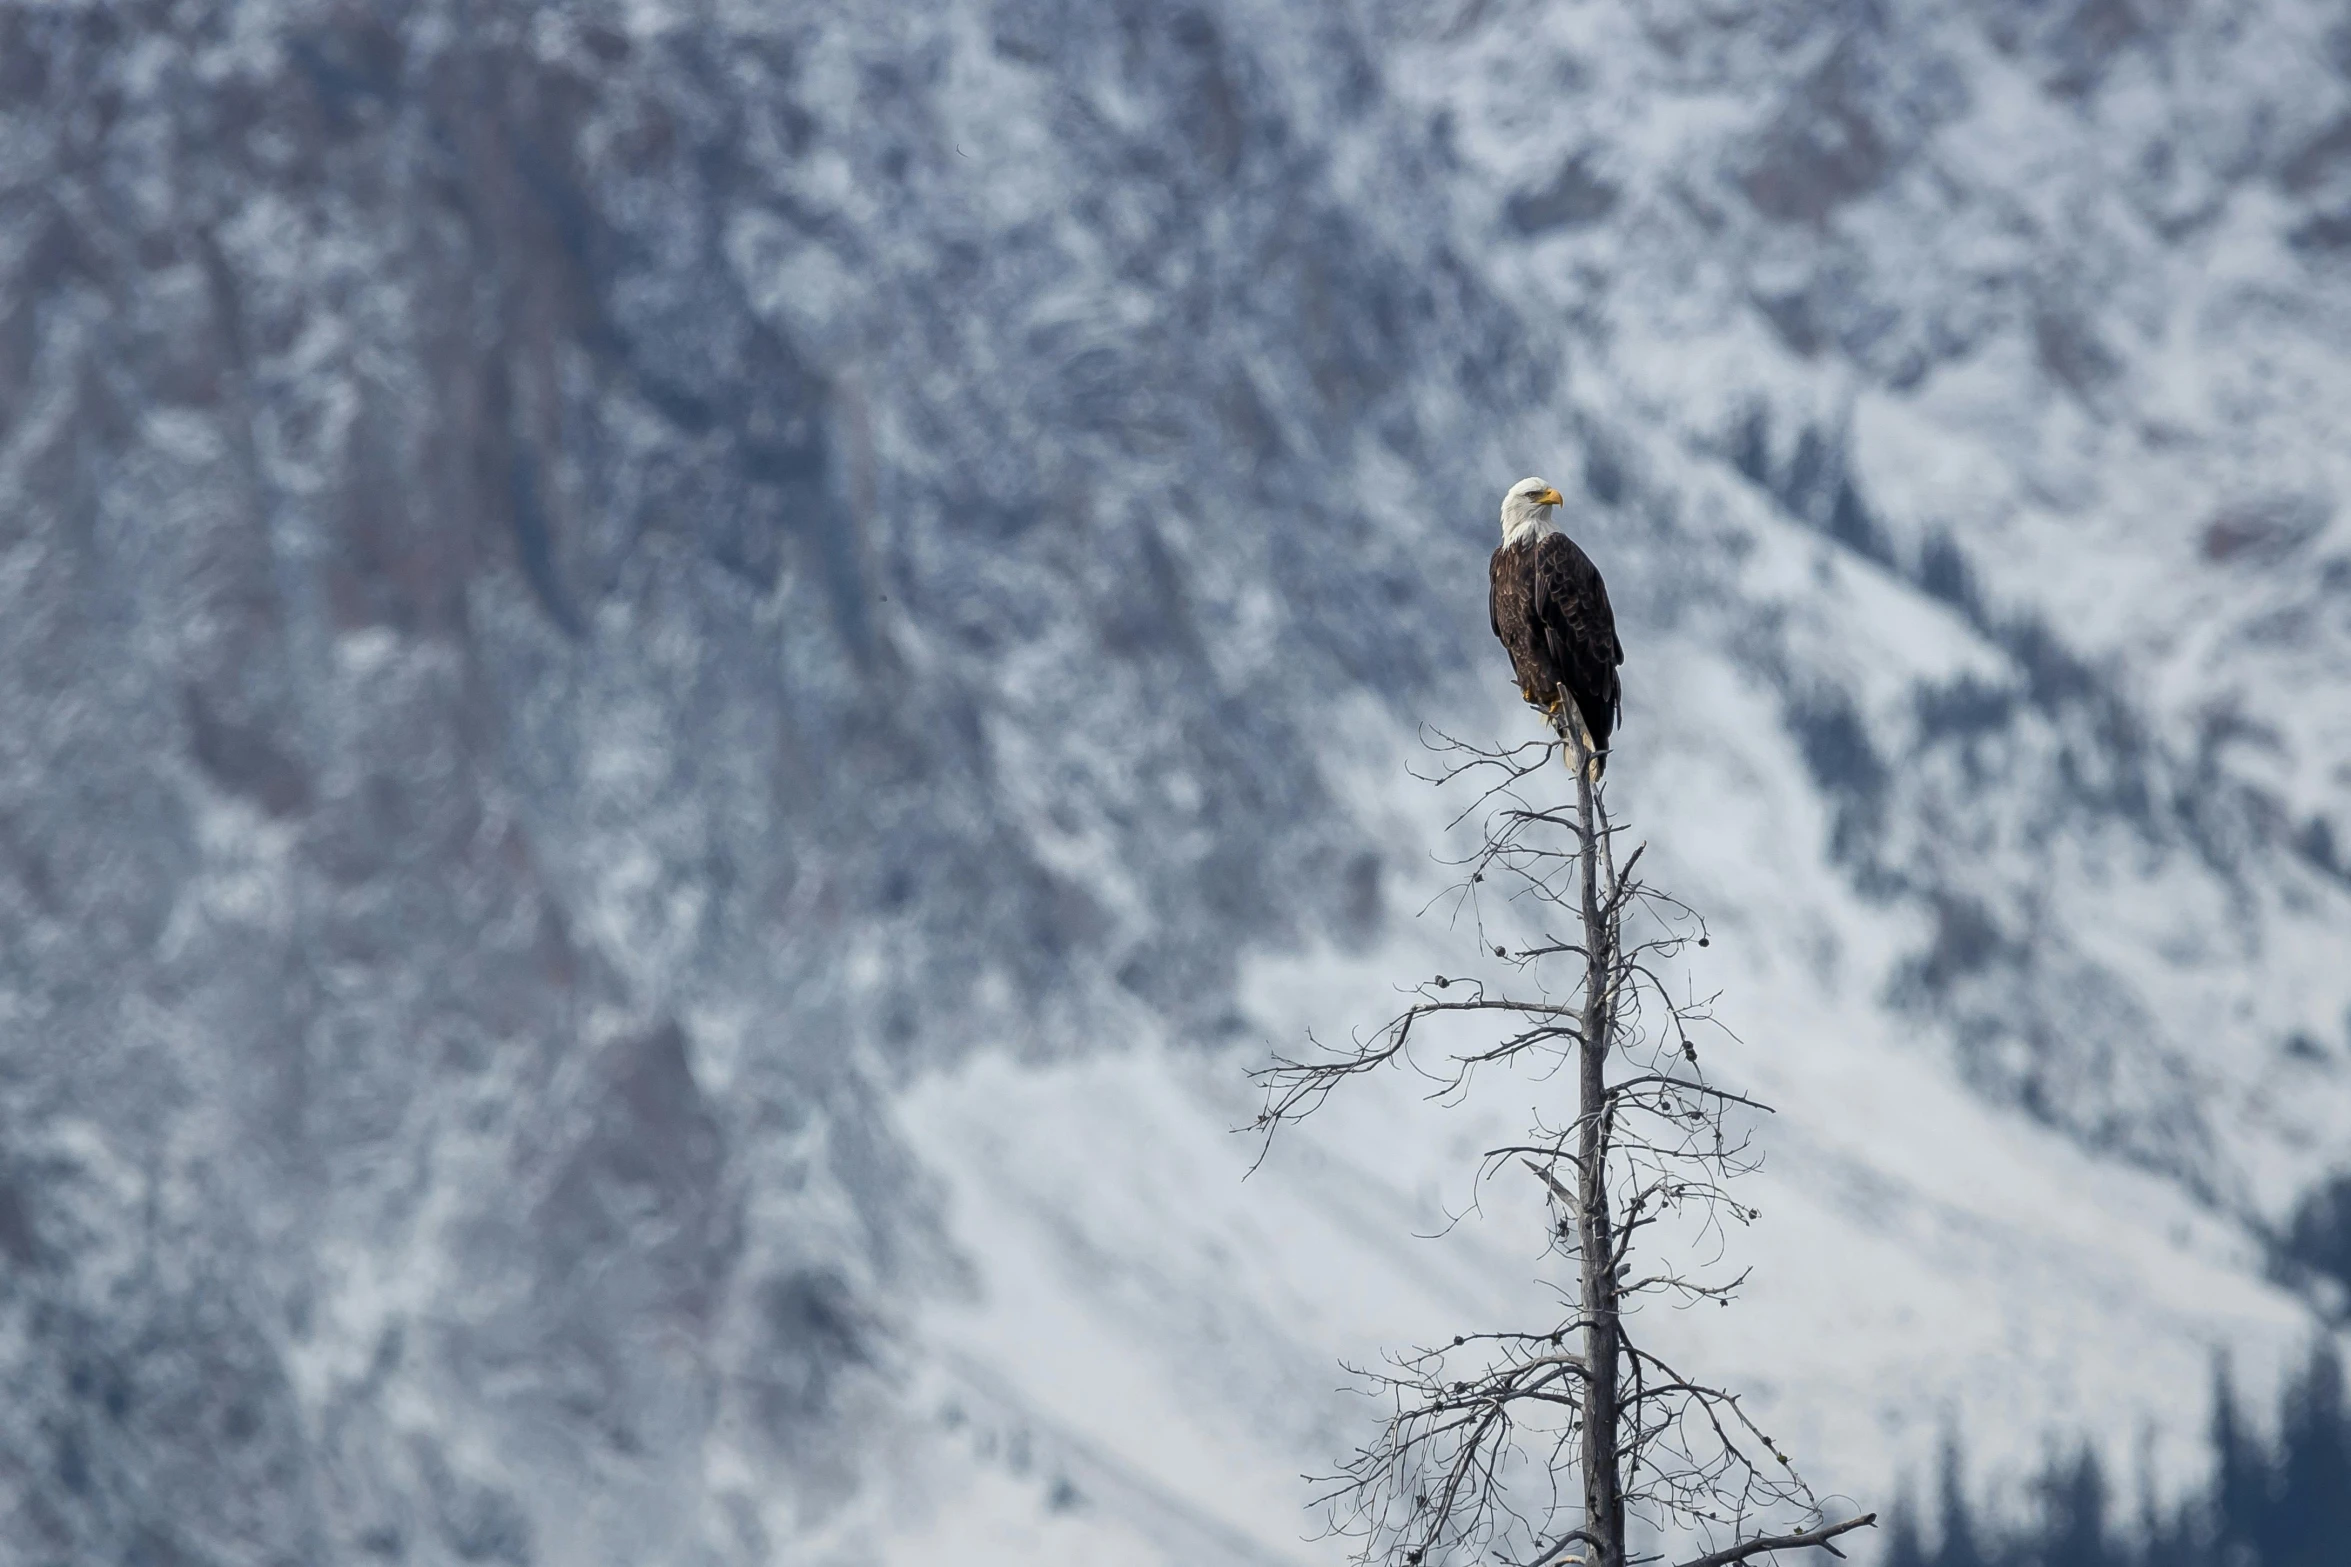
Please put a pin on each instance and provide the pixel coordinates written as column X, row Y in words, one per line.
column 1566, row 1198
column 1783, row 1542
column 1626, row 1085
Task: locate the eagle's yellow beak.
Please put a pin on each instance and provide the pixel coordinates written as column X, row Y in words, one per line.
column 1550, row 498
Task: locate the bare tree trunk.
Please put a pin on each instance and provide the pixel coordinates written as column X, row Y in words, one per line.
column 1651, row 1142
column 1595, row 1234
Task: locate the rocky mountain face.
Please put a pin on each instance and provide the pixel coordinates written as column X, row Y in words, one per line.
column 597, row 600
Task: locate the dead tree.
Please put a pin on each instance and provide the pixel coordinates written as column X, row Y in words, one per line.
column 1538, row 1445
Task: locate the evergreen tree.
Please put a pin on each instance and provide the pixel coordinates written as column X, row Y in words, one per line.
column 2240, row 1480
column 2073, row 1514
column 1957, row 1547
column 2174, row 1539
column 2310, row 1523
column 1904, row 1548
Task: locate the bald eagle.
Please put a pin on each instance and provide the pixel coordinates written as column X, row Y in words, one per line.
column 1550, row 610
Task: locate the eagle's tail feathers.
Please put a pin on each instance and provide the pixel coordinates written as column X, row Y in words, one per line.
column 1563, row 712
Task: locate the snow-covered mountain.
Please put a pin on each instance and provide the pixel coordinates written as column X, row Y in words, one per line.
column 684, row 684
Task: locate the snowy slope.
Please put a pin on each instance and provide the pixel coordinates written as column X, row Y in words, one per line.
column 683, row 685
column 1924, row 1261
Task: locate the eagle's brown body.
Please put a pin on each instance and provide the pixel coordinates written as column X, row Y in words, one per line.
column 1550, row 610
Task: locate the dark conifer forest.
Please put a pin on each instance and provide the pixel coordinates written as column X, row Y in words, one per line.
column 2267, row 1501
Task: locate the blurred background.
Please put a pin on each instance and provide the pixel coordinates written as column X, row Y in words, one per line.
column 683, row 684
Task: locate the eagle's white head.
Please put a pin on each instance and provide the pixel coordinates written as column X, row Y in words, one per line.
column 1526, row 511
